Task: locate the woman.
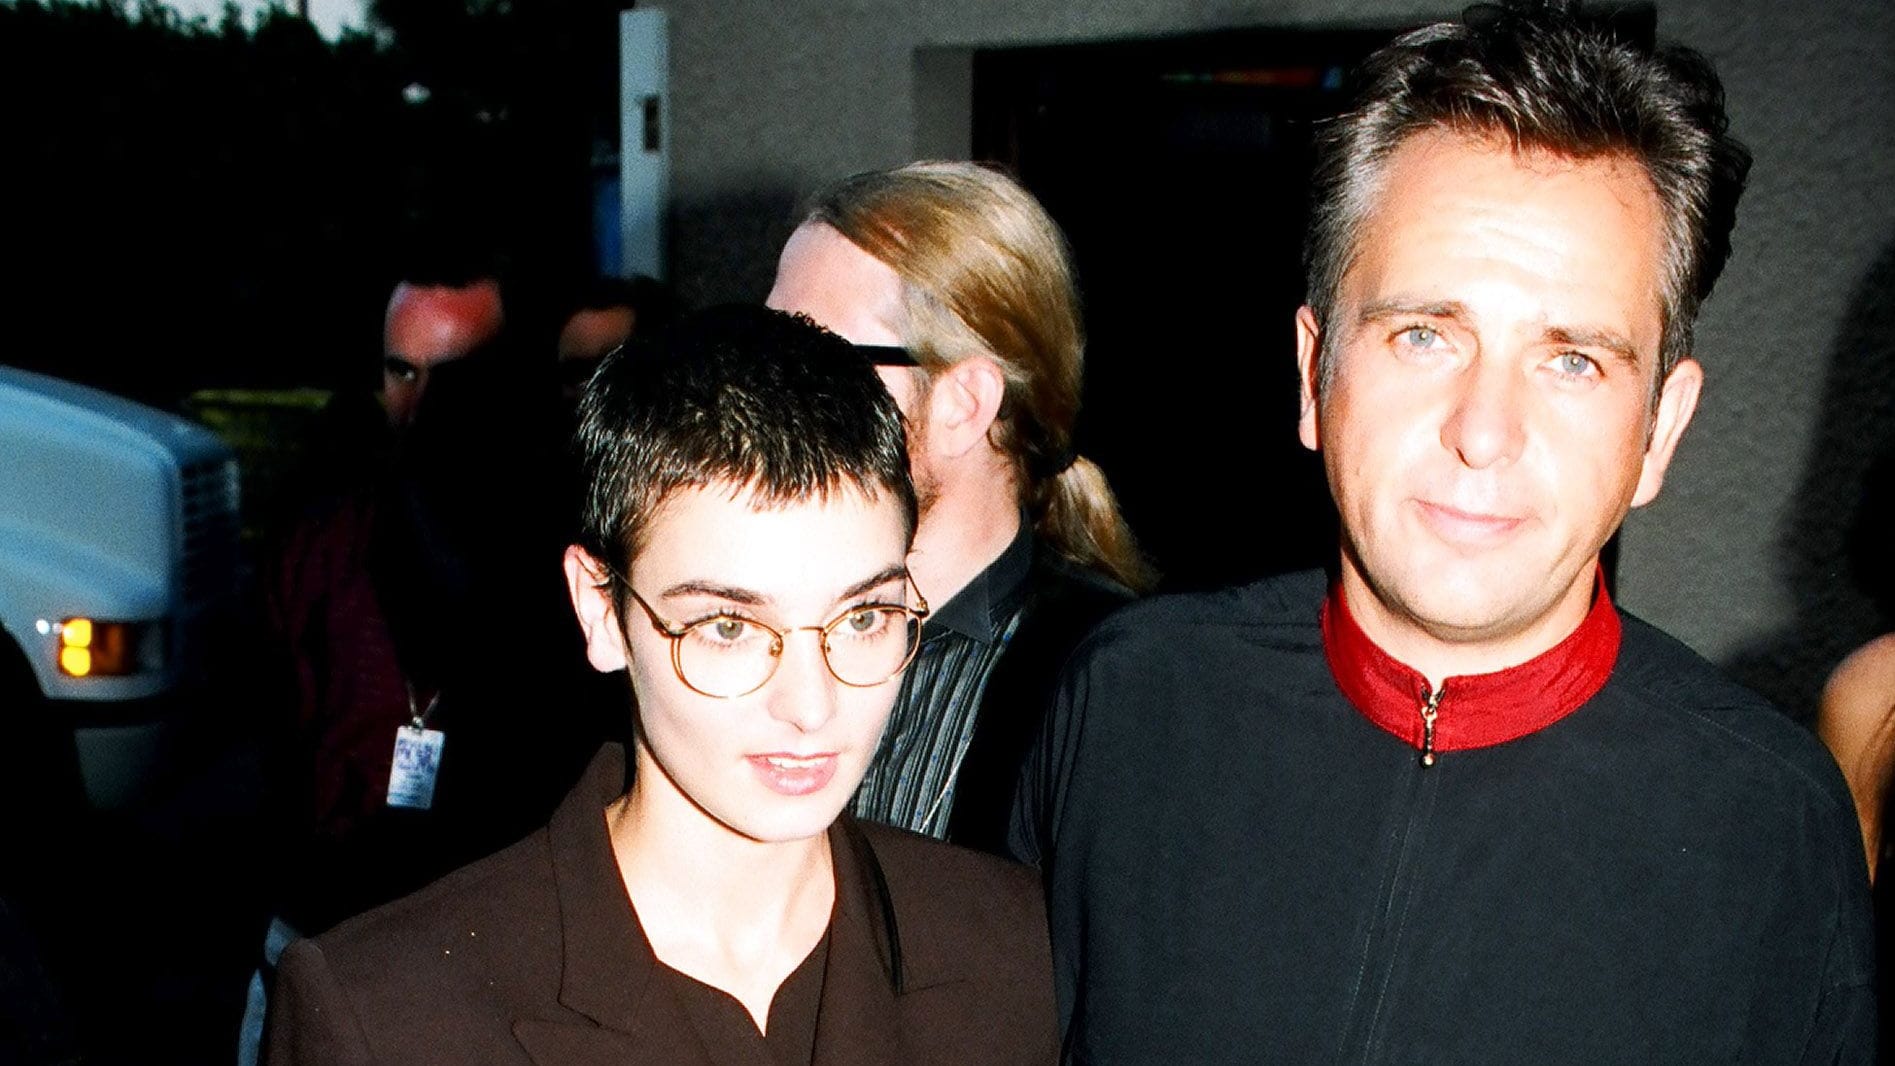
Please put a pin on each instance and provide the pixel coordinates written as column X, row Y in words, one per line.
column 1857, row 721
column 747, row 517
column 1857, row 718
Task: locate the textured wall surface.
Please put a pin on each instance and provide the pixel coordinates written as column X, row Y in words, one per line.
column 1741, row 556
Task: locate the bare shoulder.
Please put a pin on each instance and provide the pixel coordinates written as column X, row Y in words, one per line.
column 1868, row 672
column 1856, row 721
column 1857, row 703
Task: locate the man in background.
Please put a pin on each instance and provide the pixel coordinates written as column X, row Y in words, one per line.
column 417, row 606
column 434, row 316
column 953, row 278
column 606, row 314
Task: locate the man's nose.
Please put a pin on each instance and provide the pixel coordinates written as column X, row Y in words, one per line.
column 1487, row 425
column 803, row 692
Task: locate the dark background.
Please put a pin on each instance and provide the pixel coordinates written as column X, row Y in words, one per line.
column 192, row 205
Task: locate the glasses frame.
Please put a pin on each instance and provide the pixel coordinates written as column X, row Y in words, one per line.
column 888, row 355
column 675, row 632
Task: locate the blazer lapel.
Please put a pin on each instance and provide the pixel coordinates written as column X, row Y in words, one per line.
column 607, row 976
column 570, row 1044
column 858, row 1022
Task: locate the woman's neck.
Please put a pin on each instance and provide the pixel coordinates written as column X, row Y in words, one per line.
column 737, row 914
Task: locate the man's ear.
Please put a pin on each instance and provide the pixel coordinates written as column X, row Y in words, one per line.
column 963, row 402
column 1676, row 403
column 589, row 584
column 1309, row 345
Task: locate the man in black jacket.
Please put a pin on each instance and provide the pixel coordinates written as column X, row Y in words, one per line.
column 957, row 283
column 1452, row 806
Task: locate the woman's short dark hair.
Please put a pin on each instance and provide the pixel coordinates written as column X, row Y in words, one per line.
column 1535, row 75
column 755, row 398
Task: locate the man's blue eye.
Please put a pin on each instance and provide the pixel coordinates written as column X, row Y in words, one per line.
column 1420, row 337
column 1573, row 364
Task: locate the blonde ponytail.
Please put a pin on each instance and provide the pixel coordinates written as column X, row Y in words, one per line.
column 1077, row 513
column 985, row 271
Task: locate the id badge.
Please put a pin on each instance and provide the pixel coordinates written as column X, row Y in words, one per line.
column 417, row 764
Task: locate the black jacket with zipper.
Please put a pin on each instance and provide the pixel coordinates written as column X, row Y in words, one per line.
column 1241, row 867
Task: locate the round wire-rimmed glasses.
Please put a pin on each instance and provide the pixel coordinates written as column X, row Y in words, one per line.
column 728, row 655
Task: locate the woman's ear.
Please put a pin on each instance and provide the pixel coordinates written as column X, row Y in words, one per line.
column 588, row 582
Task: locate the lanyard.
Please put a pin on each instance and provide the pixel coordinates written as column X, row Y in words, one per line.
column 419, row 718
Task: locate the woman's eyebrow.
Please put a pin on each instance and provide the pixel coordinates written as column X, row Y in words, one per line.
column 733, row 593
column 753, row 598
column 892, row 573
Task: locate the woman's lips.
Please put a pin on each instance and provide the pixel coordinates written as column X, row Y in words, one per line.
column 794, row 775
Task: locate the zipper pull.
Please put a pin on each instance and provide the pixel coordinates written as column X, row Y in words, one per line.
column 1429, row 710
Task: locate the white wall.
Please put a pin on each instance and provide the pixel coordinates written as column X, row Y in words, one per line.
column 772, row 98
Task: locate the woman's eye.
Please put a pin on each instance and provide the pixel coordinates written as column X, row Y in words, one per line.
column 864, row 622
column 729, row 630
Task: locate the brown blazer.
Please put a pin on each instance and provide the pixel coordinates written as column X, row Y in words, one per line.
column 937, row 955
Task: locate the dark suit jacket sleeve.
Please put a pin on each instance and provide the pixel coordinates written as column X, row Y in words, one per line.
column 311, row 1022
column 1844, row 1032
column 1039, row 797
column 1027, row 830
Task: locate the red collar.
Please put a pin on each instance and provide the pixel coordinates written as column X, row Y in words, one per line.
column 1476, row 710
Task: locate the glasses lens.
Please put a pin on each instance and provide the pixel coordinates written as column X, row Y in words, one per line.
column 869, row 645
column 727, row 656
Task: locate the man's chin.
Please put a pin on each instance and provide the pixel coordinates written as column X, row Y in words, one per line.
column 1471, row 627
column 1496, row 633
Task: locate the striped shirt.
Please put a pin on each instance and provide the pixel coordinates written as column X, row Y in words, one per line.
column 911, row 781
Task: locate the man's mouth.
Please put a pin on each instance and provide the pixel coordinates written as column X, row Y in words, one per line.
column 1464, row 526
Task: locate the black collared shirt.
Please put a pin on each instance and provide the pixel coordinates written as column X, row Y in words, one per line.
column 912, row 779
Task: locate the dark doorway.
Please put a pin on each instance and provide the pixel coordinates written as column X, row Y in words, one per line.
column 1178, row 169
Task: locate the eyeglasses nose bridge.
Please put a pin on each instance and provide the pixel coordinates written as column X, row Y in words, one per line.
column 779, row 645
column 783, row 636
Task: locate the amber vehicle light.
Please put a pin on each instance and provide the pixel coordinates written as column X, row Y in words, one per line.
column 113, row 649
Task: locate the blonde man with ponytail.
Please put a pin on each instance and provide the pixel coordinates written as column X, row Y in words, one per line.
column 957, row 283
